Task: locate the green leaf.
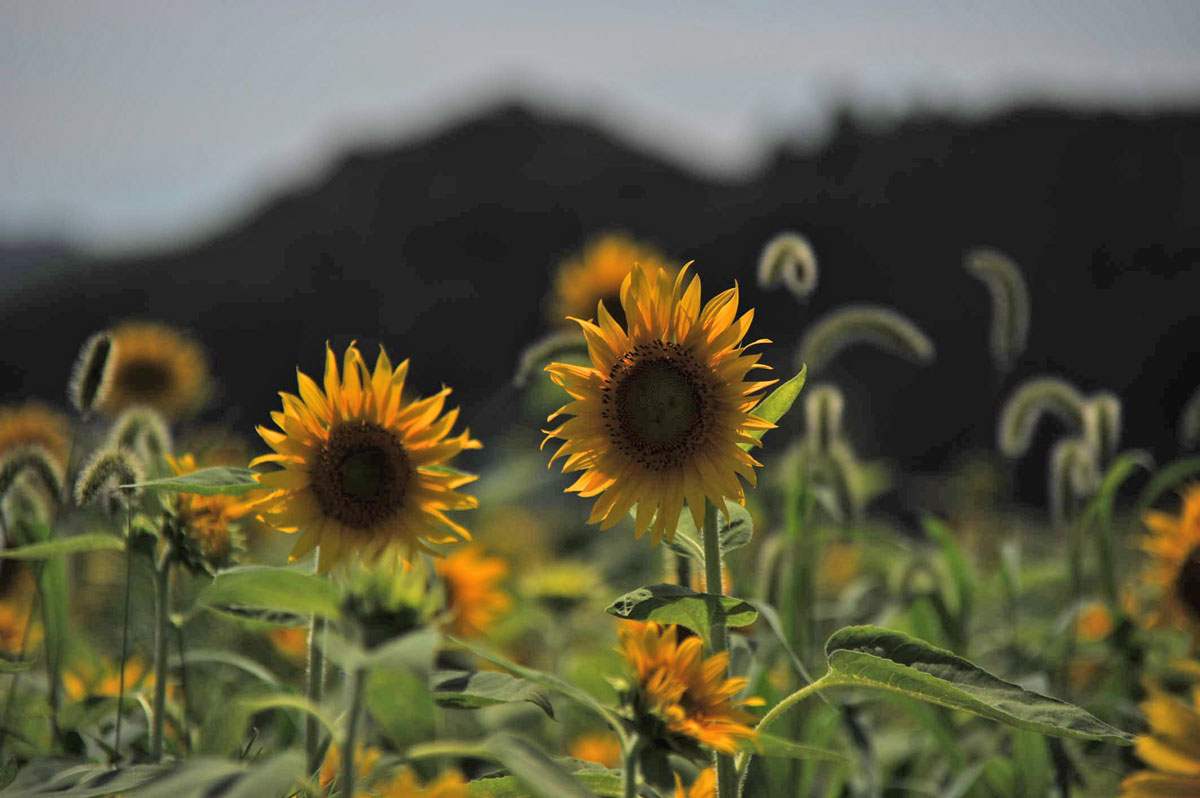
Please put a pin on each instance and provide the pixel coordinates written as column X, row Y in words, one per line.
column 960, row 572
column 1172, row 475
column 253, row 704
column 607, row 784
column 209, row 777
column 734, row 533
column 219, row 480
column 411, row 652
column 538, row 773
column 770, row 745
column 775, row 624
column 1100, row 508
column 215, row 656
column 779, row 401
column 72, row 780
column 472, row 690
column 277, row 589
column 680, row 605
column 400, row 703
column 869, row 656
column 15, row 665
column 75, row 544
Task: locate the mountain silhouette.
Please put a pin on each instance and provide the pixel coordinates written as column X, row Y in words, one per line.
column 442, row 248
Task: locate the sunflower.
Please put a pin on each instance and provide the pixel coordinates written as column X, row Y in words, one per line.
column 362, row 469
column 664, row 412
column 19, row 633
column 596, row 274
column 365, row 760
column 680, row 697
column 1171, row 748
column 34, row 424
column 705, row 785
column 603, row 748
column 472, row 595
column 154, row 365
column 87, row 680
column 1175, row 569
column 405, row 784
column 1094, row 623
column 205, row 520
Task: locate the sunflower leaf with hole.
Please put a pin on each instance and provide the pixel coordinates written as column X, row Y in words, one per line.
column 676, row 604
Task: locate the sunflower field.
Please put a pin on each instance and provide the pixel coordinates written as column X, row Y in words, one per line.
column 357, row 597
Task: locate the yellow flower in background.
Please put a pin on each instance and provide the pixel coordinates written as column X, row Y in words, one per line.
column 1171, row 748
column 1094, row 623
column 405, row 784
column 93, row 680
column 365, row 760
column 596, row 274
column 840, row 564
column 602, row 747
column 563, row 584
column 473, row 597
column 35, row 424
column 686, row 692
column 291, row 641
column 1174, row 546
column 659, row 416
column 154, row 365
column 15, row 621
column 705, row 785
column 360, row 467
column 207, row 518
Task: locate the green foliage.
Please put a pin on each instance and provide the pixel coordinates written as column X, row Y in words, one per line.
column 681, row 605
column 777, row 403
column 275, row 589
column 530, row 769
column 77, row 544
column 734, row 532
column 215, row 481
column 475, row 689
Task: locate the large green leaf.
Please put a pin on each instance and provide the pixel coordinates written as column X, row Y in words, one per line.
column 475, row 689
column 15, row 665
column 69, row 779
column 869, row 656
column 733, row 533
column 261, row 587
column 219, row 480
column 533, row 774
column 206, row 777
column 401, row 705
column 680, row 605
column 779, row 401
column 770, row 745
column 411, row 652
column 76, row 544
column 253, row 704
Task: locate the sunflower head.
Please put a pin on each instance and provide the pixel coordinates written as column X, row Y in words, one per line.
column 35, row 424
column 596, row 273
column 705, row 785
column 363, row 470
column 1094, row 623
column 601, row 747
column 365, row 760
column 103, row 679
column 20, row 631
column 663, row 412
column 474, row 599
column 1174, row 547
column 679, row 699
column 154, row 365
column 1171, row 748
column 205, row 533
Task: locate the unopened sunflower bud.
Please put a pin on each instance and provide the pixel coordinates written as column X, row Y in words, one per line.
column 1102, row 425
column 143, row 430
column 1074, row 476
column 823, row 410
column 92, row 374
column 878, row 326
column 1029, row 402
column 32, row 459
column 103, row 476
column 789, row 259
column 1010, row 304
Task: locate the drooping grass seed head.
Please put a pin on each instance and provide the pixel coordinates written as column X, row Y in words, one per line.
column 101, row 479
column 788, row 259
column 91, row 377
column 35, row 424
column 1074, row 476
column 824, row 406
column 1102, row 425
column 36, row 461
column 1010, row 304
column 144, row 431
column 1189, row 422
column 881, row 327
column 1029, row 403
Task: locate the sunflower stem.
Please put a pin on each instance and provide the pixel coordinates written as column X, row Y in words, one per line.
column 726, row 774
column 163, row 610
column 629, row 768
column 358, row 687
column 316, row 672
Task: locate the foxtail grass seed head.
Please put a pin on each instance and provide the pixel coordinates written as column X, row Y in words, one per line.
column 1028, row 403
column 25, row 499
column 1010, row 304
column 823, row 409
column 1102, row 425
column 881, row 327
column 142, row 430
column 91, row 378
column 788, row 259
column 101, row 479
column 35, row 460
column 1189, row 422
column 544, row 350
column 1074, row 476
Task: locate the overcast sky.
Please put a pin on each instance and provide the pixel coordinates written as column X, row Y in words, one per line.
column 124, row 123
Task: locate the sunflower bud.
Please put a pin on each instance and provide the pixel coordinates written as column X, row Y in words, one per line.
column 101, row 479
column 390, row 600
column 92, row 374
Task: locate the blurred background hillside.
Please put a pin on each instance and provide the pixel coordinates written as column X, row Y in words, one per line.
column 276, row 175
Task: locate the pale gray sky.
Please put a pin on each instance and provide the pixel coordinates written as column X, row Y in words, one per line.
column 133, row 121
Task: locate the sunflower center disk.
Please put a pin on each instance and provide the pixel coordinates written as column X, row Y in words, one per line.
column 658, row 405
column 362, row 475
column 1188, row 583
column 143, row 377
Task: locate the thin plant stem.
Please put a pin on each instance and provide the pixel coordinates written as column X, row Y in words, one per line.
column 124, row 628
column 796, row 697
column 316, row 665
column 629, row 768
column 163, row 609
column 726, row 775
column 183, row 689
column 357, row 688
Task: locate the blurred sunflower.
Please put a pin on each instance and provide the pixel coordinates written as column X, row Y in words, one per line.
column 365, row 760
column 562, row 584
column 473, row 596
column 1094, row 623
column 206, row 519
column 17, row 629
column 92, row 680
column 1175, row 569
column 363, row 470
column 840, row 564
column 660, row 417
column 705, row 785
column 405, row 784
column 681, row 698
column 35, row 424
column 595, row 274
column 154, row 365
column 602, row 747
column 1171, row 748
